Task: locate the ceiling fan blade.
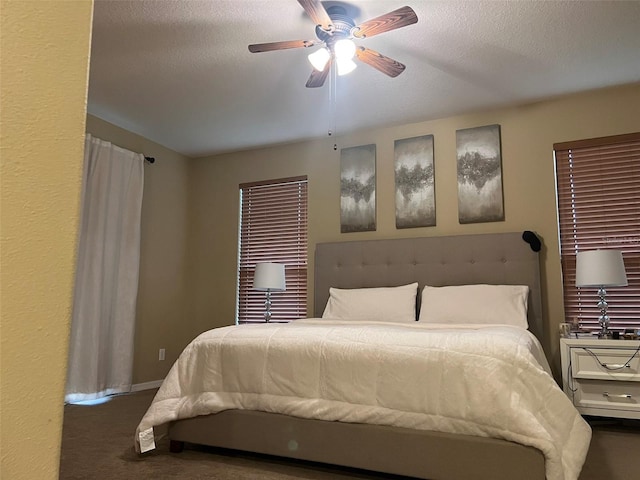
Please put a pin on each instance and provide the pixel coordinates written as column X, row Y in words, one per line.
column 317, row 79
column 318, row 14
column 397, row 19
column 268, row 47
column 378, row 61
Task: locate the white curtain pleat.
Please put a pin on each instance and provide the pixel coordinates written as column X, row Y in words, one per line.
column 106, row 285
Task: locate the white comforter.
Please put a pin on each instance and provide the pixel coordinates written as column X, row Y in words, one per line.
column 491, row 382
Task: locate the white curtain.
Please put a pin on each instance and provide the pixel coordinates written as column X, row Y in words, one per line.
column 106, row 285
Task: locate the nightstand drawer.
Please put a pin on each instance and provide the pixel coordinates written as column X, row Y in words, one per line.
column 607, row 395
column 605, row 364
column 602, row 376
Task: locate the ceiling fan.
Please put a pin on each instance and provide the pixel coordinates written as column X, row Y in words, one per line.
column 335, row 31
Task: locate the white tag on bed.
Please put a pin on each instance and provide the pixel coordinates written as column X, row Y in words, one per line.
column 147, row 441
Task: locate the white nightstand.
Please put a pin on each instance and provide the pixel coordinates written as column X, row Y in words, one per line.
column 602, row 377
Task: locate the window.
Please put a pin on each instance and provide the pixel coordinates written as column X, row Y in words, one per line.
column 598, row 187
column 273, row 228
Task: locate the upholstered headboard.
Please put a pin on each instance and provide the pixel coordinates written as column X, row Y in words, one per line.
column 500, row 259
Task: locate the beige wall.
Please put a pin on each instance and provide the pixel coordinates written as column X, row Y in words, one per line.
column 528, row 135
column 161, row 319
column 45, row 53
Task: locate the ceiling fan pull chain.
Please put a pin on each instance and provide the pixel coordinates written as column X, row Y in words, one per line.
column 332, row 100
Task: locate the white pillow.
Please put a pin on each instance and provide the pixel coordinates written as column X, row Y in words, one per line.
column 386, row 304
column 475, row 304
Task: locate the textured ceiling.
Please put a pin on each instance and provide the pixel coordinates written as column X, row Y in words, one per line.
column 179, row 72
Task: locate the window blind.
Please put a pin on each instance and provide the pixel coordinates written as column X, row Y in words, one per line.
column 598, row 189
column 273, row 228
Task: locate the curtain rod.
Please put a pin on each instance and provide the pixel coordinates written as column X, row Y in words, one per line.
column 150, row 159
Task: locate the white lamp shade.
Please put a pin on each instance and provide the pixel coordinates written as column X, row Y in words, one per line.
column 269, row 276
column 600, row 268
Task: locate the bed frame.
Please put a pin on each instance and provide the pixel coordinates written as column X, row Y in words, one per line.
column 502, row 258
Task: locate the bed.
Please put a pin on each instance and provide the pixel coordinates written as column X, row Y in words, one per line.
column 548, row 439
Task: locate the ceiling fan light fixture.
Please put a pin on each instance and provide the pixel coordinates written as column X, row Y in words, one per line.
column 345, row 65
column 319, row 58
column 335, row 30
column 344, row 49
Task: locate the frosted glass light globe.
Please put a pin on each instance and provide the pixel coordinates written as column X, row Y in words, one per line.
column 319, row 58
column 344, row 49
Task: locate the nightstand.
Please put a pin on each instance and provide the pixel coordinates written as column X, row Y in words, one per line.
column 601, row 376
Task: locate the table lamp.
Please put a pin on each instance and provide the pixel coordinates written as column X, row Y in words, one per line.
column 600, row 269
column 269, row 277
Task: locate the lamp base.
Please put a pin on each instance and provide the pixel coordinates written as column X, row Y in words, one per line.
column 604, row 318
column 267, row 307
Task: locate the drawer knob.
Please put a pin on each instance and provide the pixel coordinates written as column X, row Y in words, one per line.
column 609, row 395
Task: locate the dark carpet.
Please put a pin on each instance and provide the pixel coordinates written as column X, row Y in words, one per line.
column 97, row 443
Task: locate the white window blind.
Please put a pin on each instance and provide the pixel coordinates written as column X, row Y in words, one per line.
column 273, row 228
column 598, row 188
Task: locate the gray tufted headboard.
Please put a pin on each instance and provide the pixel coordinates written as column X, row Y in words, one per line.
column 497, row 258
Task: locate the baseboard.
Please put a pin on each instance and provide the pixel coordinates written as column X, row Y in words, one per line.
column 137, row 387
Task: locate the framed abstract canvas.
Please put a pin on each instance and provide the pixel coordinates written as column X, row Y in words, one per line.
column 479, row 161
column 415, row 186
column 358, row 189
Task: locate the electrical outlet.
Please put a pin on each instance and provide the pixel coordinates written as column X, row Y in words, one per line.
column 161, row 354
